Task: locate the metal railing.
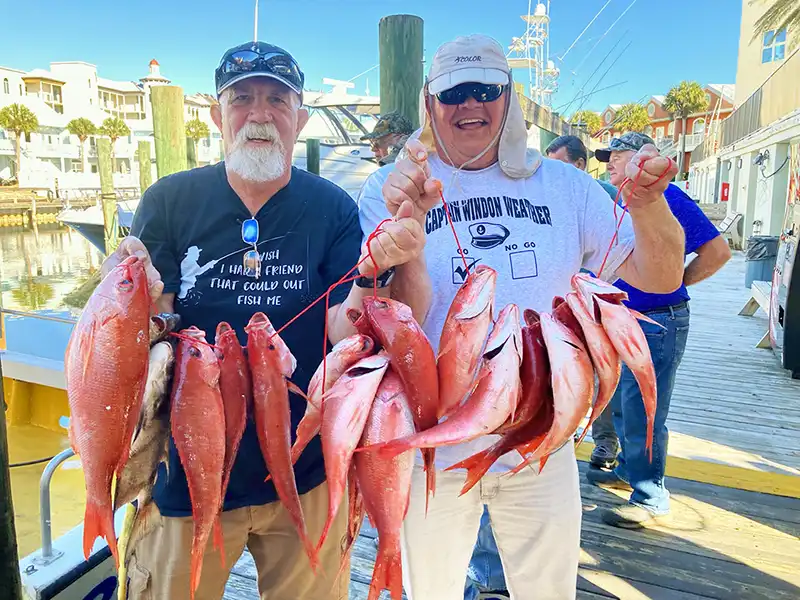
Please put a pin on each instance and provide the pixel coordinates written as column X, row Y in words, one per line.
column 47, row 556
column 23, row 313
column 778, row 96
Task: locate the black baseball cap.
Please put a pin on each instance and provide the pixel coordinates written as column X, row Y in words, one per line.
column 258, row 59
column 627, row 141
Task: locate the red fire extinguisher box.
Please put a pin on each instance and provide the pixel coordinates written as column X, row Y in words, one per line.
column 726, row 190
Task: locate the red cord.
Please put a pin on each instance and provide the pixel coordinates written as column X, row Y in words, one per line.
column 190, row 338
column 455, row 235
column 635, row 183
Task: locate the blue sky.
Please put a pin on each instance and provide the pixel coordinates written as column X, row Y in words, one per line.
column 339, row 38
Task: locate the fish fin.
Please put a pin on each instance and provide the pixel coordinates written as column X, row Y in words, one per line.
column 645, row 318
column 476, row 465
column 449, row 346
column 428, row 456
column 388, row 573
column 542, row 462
column 85, row 346
column 219, row 541
column 296, row 390
column 99, row 522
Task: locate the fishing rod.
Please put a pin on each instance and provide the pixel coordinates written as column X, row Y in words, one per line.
column 563, row 56
column 603, row 76
column 602, row 37
column 593, row 92
column 22, row 313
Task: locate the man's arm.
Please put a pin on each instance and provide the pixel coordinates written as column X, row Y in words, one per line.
column 711, row 257
column 656, row 263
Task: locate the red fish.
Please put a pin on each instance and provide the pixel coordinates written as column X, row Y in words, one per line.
column 237, row 393
column 198, row 428
column 603, row 301
column 493, row 399
column 563, row 314
column 355, row 516
column 106, row 365
column 605, row 359
column 386, row 483
column 414, row 362
column 630, row 342
column 463, row 336
column 344, row 415
column 271, row 366
column 341, row 357
column 572, row 382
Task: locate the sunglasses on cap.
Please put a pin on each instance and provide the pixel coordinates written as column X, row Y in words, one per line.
column 482, row 92
column 272, row 61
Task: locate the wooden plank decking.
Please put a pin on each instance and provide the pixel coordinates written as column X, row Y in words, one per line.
column 717, row 543
column 735, row 413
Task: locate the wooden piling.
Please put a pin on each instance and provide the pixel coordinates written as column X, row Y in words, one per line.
column 9, row 552
column 312, row 156
column 145, row 168
column 107, row 195
column 169, row 130
column 400, row 45
column 191, row 153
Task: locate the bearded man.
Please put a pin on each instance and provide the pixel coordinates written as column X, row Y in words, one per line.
column 222, row 242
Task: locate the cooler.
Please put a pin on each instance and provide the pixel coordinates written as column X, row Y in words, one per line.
column 784, row 310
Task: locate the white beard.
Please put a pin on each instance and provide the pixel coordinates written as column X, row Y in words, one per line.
column 257, row 164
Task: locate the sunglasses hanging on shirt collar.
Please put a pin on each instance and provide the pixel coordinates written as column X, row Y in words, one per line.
column 252, row 260
column 482, row 92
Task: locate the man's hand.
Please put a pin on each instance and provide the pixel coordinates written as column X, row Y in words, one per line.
column 656, row 173
column 133, row 246
column 399, row 241
column 411, row 181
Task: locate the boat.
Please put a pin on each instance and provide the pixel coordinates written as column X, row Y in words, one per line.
column 337, row 119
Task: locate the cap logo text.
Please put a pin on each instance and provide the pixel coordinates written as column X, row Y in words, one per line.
column 466, row 59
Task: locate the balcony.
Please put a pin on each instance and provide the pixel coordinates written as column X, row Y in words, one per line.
column 778, row 96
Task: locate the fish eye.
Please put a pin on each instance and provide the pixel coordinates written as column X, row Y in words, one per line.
column 194, row 351
column 272, row 346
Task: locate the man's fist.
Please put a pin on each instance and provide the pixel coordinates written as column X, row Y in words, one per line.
column 411, row 181
column 133, row 246
column 399, row 241
column 652, row 181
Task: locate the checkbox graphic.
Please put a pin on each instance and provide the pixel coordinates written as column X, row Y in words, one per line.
column 523, row 264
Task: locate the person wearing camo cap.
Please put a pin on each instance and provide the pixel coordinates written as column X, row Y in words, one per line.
column 389, row 136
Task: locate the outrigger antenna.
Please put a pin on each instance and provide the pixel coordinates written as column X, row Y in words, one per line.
column 255, row 25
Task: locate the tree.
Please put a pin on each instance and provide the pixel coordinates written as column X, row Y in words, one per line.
column 83, row 128
column 588, row 119
column 686, row 98
column 782, row 14
column 114, row 128
column 196, row 130
column 20, row 120
column 632, row 117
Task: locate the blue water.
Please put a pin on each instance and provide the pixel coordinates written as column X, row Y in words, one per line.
column 37, row 270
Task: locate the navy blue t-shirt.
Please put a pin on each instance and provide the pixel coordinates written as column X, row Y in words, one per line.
column 698, row 230
column 191, row 223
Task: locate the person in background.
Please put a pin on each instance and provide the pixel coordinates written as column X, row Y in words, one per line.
column 570, row 149
column 667, row 341
column 389, row 136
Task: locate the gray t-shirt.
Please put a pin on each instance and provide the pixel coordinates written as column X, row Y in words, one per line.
column 535, row 232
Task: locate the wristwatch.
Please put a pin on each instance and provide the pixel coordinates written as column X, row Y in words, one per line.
column 384, row 279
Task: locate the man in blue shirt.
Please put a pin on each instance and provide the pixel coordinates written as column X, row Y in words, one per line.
column 570, row 149
column 634, row 470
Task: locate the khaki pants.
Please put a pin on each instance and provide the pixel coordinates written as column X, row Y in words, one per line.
column 160, row 563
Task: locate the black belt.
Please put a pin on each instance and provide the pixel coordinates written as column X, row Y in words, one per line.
column 668, row 308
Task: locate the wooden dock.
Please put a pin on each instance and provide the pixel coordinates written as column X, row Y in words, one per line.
column 734, row 426
column 717, row 543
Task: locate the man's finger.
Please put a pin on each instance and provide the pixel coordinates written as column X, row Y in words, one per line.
column 406, row 210
column 394, row 198
column 413, row 172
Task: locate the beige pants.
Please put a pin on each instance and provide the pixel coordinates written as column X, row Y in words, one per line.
column 160, row 564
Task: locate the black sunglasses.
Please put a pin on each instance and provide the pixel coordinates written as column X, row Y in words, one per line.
column 482, row 92
column 272, row 62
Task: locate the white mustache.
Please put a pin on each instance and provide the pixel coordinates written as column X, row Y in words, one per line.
column 266, row 131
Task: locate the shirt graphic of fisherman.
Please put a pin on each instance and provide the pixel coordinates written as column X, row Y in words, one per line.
column 190, row 270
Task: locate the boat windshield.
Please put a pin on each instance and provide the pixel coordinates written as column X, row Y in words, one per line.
column 340, row 125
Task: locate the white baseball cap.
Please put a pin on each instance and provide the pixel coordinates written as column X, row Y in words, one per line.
column 472, row 58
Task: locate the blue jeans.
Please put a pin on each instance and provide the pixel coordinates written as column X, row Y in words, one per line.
column 666, row 347
column 485, row 573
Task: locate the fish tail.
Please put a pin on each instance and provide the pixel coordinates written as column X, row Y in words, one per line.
column 428, row 456
column 476, row 465
column 388, row 572
column 198, row 549
column 649, row 439
column 219, row 542
column 99, row 522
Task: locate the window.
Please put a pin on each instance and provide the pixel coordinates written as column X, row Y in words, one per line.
column 5, row 87
column 651, row 109
column 609, row 116
column 607, row 137
column 660, row 133
column 708, row 99
column 773, row 46
column 671, row 129
column 699, row 126
column 648, row 130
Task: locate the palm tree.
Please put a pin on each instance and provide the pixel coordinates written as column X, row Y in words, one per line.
column 114, row 128
column 782, row 14
column 82, row 128
column 632, row 117
column 588, row 119
column 686, row 98
column 20, row 120
column 196, row 130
